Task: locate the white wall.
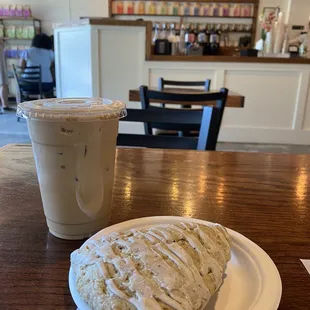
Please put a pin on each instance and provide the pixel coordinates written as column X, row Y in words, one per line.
column 94, row 8
column 284, row 5
column 300, row 12
column 56, row 11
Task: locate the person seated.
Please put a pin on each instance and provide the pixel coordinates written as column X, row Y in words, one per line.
column 40, row 54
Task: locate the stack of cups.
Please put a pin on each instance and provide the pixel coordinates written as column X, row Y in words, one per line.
column 74, row 142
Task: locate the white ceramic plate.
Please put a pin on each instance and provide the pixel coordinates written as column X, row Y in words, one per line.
column 252, row 281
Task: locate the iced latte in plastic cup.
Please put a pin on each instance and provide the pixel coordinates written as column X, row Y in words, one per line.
column 74, row 142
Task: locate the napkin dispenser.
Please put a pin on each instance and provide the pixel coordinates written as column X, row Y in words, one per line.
column 162, row 47
column 293, row 50
column 195, row 50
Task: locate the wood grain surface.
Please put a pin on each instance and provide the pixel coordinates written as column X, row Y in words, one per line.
column 265, row 197
column 294, row 60
column 234, row 99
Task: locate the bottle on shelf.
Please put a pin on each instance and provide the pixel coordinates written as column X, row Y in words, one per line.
column 163, row 32
column 192, row 34
column 214, row 42
column 172, row 36
column 206, row 49
column 177, row 29
column 208, row 32
column 173, row 40
column 182, row 42
column 218, row 32
column 187, row 35
column 155, row 33
column 162, row 45
column 202, row 37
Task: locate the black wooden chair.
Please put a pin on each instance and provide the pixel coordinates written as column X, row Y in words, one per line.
column 29, row 85
column 162, row 83
column 28, row 81
column 209, row 120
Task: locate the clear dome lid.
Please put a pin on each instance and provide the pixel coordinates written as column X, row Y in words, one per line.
column 72, row 109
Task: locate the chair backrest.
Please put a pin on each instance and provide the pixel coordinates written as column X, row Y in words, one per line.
column 28, row 76
column 162, row 83
column 209, row 120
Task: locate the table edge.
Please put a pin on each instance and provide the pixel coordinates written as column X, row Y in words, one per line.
column 11, row 145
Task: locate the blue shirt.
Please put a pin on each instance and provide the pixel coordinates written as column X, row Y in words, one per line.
column 40, row 56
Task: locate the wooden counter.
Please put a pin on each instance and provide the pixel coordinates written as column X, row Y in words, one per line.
column 297, row 60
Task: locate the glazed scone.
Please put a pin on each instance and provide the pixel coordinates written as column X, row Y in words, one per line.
column 164, row 267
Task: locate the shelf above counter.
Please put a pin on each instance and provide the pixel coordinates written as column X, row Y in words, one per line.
column 187, row 16
column 23, row 18
column 14, row 39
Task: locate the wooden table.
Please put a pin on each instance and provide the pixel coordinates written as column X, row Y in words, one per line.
column 265, row 197
column 234, row 100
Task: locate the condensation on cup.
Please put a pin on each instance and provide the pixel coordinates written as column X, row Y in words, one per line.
column 74, row 143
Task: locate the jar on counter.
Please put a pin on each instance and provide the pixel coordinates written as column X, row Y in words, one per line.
column 114, row 7
column 170, row 8
column 192, row 8
column 164, row 8
column 175, row 8
column 231, row 10
column 245, row 10
column 201, row 8
column 129, row 7
column 187, row 9
column 150, row 7
column 197, row 9
column 139, row 7
column 251, row 9
column 120, row 7
column 210, row 11
column 206, row 9
column 237, row 10
column 225, row 10
column 216, row 10
column 158, row 7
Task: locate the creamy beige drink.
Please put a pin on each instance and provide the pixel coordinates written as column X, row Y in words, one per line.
column 74, row 143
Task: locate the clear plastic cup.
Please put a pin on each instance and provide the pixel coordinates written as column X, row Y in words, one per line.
column 74, row 142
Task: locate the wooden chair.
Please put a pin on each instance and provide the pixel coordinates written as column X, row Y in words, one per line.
column 209, row 120
column 162, row 83
column 29, row 84
column 27, row 77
